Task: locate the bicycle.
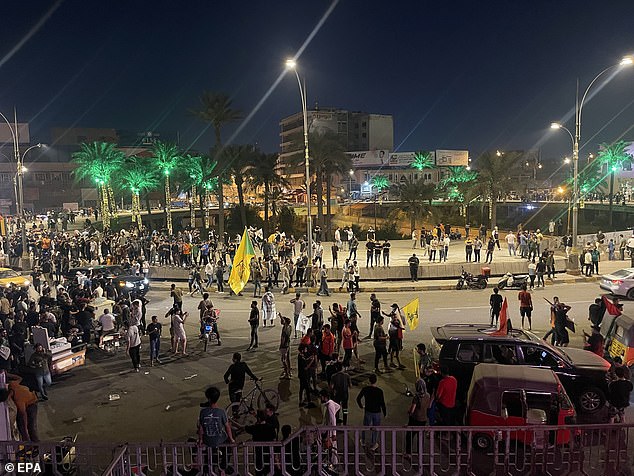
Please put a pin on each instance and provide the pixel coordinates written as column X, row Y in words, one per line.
column 242, row 413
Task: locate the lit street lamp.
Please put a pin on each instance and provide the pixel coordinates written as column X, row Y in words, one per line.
column 351, row 173
column 292, row 64
column 626, row 61
column 19, row 158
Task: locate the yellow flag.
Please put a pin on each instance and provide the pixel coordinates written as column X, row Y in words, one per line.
column 241, row 268
column 411, row 314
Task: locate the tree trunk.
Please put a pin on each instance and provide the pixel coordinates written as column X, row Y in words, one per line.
column 221, row 210
column 328, row 214
column 319, row 192
column 168, row 206
column 243, row 211
column 266, row 208
column 493, row 211
column 412, row 220
column 192, row 209
column 150, row 220
column 105, row 208
column 611, row 198
column 111, row 202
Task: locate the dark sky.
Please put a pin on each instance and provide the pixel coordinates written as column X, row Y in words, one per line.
column 455, row 74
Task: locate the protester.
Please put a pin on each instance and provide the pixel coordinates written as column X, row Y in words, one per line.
column 371, row 400
column 254, row 323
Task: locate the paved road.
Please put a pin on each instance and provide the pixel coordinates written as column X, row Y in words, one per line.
column 141, row 415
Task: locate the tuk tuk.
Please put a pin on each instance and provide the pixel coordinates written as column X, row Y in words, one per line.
column 506, row 396
column 619, row 339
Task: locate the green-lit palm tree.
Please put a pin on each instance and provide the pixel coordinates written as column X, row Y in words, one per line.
column 167, row 157
column 423, row 160
column 198, row 175
column 138, row 175
column 216, row 109
column 496, row 178
column 99, row 161
column 613, row 156
column 416, row 198
column 262, row 173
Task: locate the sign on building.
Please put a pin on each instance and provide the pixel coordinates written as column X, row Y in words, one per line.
column 369, row 158
column 452, row 158
column 401, row 159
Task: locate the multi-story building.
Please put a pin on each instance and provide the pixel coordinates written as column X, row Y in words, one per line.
column 358, row 131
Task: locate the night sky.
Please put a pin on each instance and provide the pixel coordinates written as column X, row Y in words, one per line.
column 471, row 75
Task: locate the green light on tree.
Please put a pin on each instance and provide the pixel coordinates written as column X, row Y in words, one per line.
column 423, row 160
column 380, row 182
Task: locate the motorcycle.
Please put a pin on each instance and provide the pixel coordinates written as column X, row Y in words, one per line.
column 470, row 281
column 511, row 281
column 210, row 328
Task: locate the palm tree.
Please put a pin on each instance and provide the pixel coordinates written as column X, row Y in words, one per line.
column 613, row 156
column 416, row 198
column 236, row 160
column 336, row 163
column 99, row 161
column 423, row 160
column 198, row 175
column 138, row 175
column 496, row 178
column 215, row 108
column 167, row 157
column 261, row 173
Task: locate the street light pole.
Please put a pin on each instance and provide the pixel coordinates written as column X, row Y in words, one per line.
column 291, row 64
column 626, row 61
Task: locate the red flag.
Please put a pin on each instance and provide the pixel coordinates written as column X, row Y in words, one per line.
column 612, row 308
column 504, row 321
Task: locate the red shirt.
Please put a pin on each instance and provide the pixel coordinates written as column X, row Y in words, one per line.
column 446, row 391
column 347, row 338
column 327, row 344
column 525, row 299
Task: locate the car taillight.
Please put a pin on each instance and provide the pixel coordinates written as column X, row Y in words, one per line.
column 617, row 281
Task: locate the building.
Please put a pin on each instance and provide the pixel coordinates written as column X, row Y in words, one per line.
column 358, row 131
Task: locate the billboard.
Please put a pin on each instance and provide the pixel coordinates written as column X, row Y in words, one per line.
column 369, row 158
column 452, row 158
column 401, row 159
column 6, row 136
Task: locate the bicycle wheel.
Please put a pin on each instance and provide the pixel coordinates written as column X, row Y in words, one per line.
column 268, row 395
column 239, row 416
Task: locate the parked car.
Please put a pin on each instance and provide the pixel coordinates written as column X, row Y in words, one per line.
column 463, row 346
column 502, row 396
column 619, row 283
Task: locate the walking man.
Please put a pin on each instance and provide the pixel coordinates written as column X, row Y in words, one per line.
column 154, row 330
column 372, row 401
column 254, row 323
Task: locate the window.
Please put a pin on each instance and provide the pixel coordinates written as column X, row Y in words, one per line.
column 540, row 401
column 364, row 124
column 539, row 357
column 500, row 354
column 364, row 135
column 469, row 352
column 512, row 401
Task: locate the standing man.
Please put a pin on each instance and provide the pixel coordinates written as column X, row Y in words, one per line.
column 510, row 242
column 331, row 408
column 496, row 306
column 526, row 305
column 375, row 313
column 445, row 398
column 235, row 376
column 133, row 348
column 254, row 323
column 154, row 330
column 414, row 239
column 177, row 295
column 386, row 253
column 298, row 307
column 413, row 262
column 268, row 307
column 285, row 346
column 373, row 405
column 323, row 281
column 340, row 384
column 335, row 253
column 214, row 428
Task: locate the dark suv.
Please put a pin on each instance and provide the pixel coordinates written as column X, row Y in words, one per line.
column 582, row 373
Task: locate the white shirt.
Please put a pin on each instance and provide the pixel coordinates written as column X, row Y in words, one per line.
column 447, row 240
column 107, row 322
column 630, row 242
column 510, row 239
column 337, row 235
column 330, row 416
column 134, row 338
column 209, row 268
column 98, row 292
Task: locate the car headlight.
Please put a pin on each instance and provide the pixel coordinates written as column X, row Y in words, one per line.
column 128, row 284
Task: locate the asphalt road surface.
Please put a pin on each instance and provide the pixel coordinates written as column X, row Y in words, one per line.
column 142, row 414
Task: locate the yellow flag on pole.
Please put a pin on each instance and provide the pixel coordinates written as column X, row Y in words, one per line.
column 411, row 314
column 241, row 268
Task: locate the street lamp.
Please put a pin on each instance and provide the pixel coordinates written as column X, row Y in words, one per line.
column 351, row 173
column 19, row 158
column 626, row 61
column 291, row 64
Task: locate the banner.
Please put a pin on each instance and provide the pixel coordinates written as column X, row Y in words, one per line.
column 452, row 158
column 241, row 269
column 411, row 313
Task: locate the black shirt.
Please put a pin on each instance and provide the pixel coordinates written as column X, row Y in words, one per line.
column 413, row 261
column 154, row 330
column 374, row 401
column 620, row 393
column 261, row 432
column 237, row 372
column 496, row 301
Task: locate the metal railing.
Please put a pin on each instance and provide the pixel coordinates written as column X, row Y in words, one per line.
column 534, row 450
